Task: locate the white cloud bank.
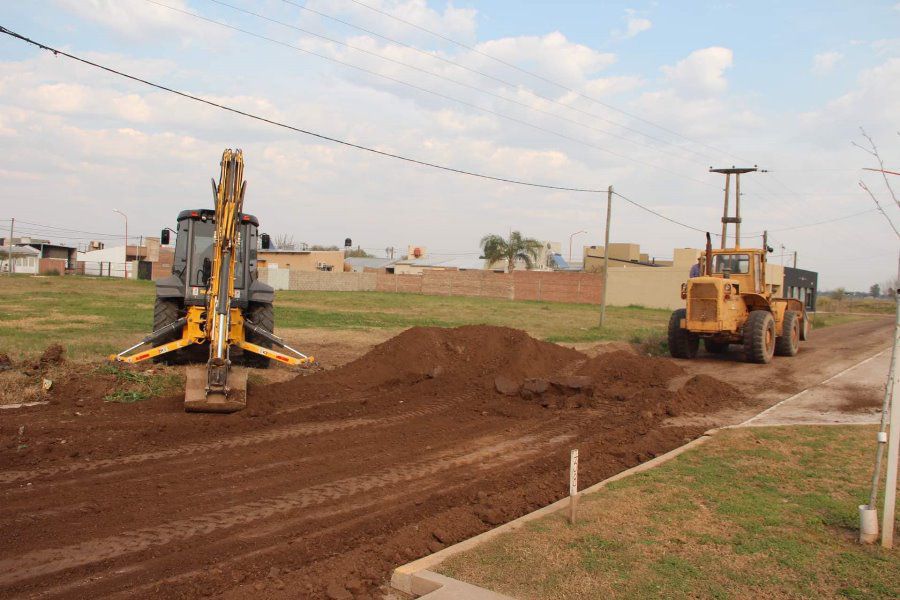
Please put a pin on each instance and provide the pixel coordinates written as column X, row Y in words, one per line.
column 702, row 72
column 824, row 63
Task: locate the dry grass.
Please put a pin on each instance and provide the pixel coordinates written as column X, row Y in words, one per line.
column 882, row 306
column 766, row 513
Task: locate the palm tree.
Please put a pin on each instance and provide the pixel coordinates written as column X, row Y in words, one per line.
column 496, row 249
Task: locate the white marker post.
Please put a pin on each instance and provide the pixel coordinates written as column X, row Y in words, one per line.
column 573, row 485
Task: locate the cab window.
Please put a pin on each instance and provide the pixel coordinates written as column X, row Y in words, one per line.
column 732, row 263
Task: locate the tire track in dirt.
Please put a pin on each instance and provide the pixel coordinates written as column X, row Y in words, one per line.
column 241, row 440
column 48, row 561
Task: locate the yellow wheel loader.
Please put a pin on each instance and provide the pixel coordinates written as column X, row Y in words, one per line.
column 214, row 302
column 730, row 303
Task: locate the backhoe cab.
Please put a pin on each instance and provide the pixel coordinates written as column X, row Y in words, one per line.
column 731, row 303
column 213, row 302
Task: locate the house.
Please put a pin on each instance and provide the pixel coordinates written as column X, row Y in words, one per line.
column 301, row 260
column 49, row 257
column 24, row 259
column 148, row 260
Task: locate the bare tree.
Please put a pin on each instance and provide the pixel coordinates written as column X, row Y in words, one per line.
column 874, row 153
column 284, row 241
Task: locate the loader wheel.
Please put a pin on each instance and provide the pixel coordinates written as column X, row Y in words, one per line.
column 789, row 342
column 759, row 337
column 805, row 327
column 714, row 347
column 262, row 315
column 166, row 312
column 682, row 343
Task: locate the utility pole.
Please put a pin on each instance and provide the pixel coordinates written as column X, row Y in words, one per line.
column 12, row 223
column 736, row 219
column 795, row 259
column 609, row 193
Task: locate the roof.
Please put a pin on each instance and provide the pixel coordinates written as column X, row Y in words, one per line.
column 447, row 263
column 19, row 251
column 360, row 263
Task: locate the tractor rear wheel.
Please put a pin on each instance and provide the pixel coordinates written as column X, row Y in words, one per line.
column 759, row 337
column 682, row 343
column 789, row 342
column 262, row 315
column 166, row 312
column 714, row 347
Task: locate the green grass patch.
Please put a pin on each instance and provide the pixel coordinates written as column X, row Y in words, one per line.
column 762, row 512
column 137, row 386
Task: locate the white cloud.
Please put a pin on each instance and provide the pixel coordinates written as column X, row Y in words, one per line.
column 702, row 72
column 823, row 63
column 142, row 21
column 633, row 25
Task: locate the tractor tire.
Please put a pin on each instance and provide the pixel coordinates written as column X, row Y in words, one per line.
column 789, row 342
column 682, row 343
column 262, row 315
column 714, row 347
column 759, row 337
column 805, row 327
column 166, row 312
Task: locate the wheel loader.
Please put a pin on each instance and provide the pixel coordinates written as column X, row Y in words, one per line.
column 730, row 303
column 214, row 303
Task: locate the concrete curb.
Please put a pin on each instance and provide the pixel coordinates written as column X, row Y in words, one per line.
column 415, row 577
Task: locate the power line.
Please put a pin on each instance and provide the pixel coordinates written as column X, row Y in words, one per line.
column 538, row 76
column 454, row 81
column 434, row 93
column 430, row 55
column 67, row 229
column 660, row 215
column 850, row 216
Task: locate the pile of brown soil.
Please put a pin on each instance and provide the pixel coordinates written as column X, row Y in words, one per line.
column 471, row 352
column 55, row 354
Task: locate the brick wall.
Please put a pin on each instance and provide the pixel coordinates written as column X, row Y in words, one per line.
column 551, row 286
column 46, row 265
column 331, row 281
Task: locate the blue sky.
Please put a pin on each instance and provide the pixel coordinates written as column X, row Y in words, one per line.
column 783, row 85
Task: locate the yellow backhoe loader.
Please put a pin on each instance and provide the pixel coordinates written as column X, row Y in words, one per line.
column 214, row 302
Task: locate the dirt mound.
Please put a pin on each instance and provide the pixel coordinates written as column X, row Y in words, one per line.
column 55, row 354
column 628, row 366
column 704, row 394
column 468, row 353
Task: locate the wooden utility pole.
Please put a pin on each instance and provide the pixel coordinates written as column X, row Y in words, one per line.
column 12, row 223
column 736, row 219
column 609, row 193
column 795, row 259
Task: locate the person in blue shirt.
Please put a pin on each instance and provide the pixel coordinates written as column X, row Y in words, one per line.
column 695, row 270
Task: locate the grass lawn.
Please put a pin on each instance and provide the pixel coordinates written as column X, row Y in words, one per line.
column 94, row 317
column 753, row 513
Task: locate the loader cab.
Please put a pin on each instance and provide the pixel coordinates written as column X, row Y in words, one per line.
column 192, row 263
column 743, row 267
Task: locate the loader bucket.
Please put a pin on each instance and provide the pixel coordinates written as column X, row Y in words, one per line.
column 196, row 398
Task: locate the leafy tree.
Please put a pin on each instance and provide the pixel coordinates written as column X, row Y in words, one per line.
column 496, row 249
column 318, row 247
column 839, row 294
column 359, row 253
column 875, row 291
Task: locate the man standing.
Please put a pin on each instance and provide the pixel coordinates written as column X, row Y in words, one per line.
column 695, row 269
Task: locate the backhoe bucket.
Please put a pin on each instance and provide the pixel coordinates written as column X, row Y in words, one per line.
column 197, row 399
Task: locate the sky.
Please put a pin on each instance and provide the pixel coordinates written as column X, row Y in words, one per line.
column 645, row 97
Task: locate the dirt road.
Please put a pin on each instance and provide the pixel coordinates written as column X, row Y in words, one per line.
column 328, row 481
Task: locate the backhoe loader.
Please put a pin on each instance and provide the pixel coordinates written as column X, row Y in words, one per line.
column 214, row 302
